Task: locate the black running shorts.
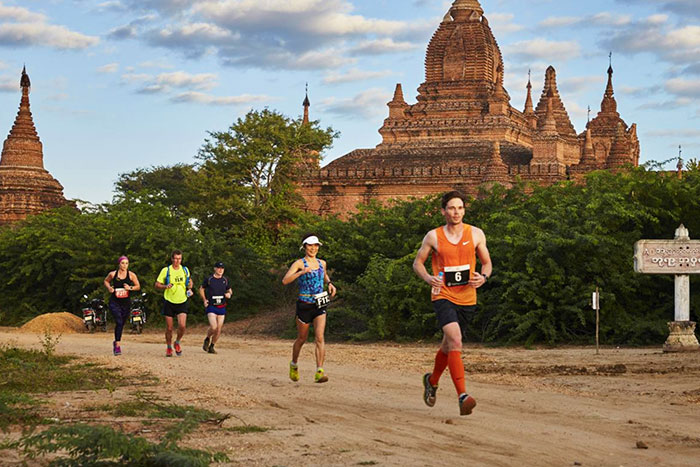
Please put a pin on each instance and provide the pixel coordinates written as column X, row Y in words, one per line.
column 307, row 312
column 447, row 312
column 173, row 309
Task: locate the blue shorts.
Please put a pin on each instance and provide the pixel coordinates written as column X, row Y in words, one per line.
column 216, row 310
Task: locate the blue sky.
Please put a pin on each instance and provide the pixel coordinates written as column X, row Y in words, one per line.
column 122, row 84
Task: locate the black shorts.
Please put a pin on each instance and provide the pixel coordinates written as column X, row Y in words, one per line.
column 447, row 312
column 307, row 312
column 173, row 309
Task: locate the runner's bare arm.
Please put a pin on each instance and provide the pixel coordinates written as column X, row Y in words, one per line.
column 482, row 252
column 429, row 244
column 161, row 286
column 135, row 280
column 327, row 279
column 296, row 270
column 203, row 295
column 228, row 293
column 108, row 281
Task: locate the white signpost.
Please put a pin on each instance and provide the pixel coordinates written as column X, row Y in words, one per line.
column 681, row 257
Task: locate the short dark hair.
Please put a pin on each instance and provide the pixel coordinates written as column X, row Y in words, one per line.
column 175, row 252
column 450, row 195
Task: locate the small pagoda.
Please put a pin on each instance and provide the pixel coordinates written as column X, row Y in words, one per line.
column 26, row 187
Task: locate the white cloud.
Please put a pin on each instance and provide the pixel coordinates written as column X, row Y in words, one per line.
column 654, row 35
column 136, row 77
column 544, row 49
column 683, row 87
column 109, row 68
column 502, row 23
column 578, row 84
column 599, row 19
column 382, row 46
column 275, row 34
column 352, row 75
column 367, row 104
column 58, row 37
column 202, row 98
column 9, row 84
column 180, row 79
column 18, row 14
column 678, row 132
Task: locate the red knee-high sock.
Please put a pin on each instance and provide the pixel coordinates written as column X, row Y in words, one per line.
column 440, row 365
column 454, row 361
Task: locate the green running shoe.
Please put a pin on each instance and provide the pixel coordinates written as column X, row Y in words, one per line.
column 293, row 372
column 320, row 376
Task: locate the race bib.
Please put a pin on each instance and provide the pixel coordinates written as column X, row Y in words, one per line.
column 121, row 293
column 457, row 275
column 217, row 300
column 322, row 299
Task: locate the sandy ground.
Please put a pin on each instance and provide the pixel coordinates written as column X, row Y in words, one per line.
column 552, row 407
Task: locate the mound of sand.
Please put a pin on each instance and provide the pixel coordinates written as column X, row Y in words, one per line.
column 56, row 323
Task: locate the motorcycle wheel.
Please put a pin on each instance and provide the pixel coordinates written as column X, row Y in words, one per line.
column 139, row 329
column 91, row 328
column 103, row 328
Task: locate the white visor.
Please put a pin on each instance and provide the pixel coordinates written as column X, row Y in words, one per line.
column 312, row 240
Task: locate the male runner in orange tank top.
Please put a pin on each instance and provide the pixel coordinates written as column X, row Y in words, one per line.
column 454, row 249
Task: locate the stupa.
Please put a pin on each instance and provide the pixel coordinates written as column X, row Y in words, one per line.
column 26, row 187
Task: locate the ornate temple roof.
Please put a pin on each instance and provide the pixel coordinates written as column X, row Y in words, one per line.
column 564, row 125
column 464, row 50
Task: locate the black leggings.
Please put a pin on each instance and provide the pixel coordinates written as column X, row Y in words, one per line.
column 120, row 312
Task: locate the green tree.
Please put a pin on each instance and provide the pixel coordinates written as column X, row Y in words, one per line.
column 167, row 185
column 245, row 178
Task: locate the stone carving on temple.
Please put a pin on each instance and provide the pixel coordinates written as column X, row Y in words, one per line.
column 26, row 187
column 463, row 132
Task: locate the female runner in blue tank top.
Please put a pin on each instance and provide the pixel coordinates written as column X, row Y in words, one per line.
column 311, row 304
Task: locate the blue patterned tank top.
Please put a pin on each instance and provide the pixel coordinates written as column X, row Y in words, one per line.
column 311, row 283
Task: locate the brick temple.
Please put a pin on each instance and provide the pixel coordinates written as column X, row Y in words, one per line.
column 25, row 186
column 463, row 132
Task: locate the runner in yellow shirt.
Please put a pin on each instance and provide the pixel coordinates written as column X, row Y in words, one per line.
column 176, row 283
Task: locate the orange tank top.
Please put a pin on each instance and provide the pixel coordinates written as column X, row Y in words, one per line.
column 455, row 260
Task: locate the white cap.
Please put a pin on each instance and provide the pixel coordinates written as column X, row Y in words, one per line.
column 311, row 240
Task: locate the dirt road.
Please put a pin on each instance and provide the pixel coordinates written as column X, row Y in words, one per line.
column 535, row 407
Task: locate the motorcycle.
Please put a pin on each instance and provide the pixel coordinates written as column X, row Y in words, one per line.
column 137, row 314
column 94, row 314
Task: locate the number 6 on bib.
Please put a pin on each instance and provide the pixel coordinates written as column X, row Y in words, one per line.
column 457, row 275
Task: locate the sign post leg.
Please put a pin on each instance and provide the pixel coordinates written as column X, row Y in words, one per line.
column 682, row 297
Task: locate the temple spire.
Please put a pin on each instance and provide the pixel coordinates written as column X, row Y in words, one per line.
column 528, row 100
column 609, row 105
column 398, row 105
column 24, row 81
column 306, row 105
column 22, row 146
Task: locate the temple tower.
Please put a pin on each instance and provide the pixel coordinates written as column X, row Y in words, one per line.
column 25, row 186
column 609, row 130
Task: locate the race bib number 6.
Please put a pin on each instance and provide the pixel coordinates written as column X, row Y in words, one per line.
column 322, row 299
column 457, row 275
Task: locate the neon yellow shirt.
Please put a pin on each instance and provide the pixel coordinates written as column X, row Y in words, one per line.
column 178, row 292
